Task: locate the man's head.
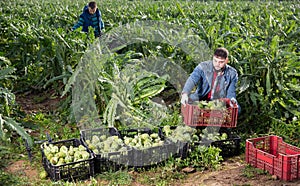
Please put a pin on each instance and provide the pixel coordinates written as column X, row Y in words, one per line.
column 220, row 58
column 92, row 7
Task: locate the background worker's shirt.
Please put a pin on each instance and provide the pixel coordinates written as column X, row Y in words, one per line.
column 94, row 20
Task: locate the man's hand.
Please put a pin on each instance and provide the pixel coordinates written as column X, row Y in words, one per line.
column 233, row 101
column 184, row 99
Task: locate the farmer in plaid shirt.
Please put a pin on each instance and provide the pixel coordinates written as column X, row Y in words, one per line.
column 91, row 16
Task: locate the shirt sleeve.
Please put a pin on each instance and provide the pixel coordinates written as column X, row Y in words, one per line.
column 79, row 23
column 100, row 20
column 193, row 80
column 231, row 91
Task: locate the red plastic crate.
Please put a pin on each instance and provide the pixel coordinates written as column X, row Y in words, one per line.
column 194, row 116
column 272, row 154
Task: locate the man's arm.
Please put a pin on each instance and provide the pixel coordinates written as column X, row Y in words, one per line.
column 231, row 91
column 101, row 24
column 192, row 81
column 79, row 23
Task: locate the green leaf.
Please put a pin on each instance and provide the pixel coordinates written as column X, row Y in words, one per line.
column 234, row 44
column 274, row 45
column 293, row 111
column 268, row 83
column 4, row 60
column 244, row 85
column 1, row 127
column 294, row 87
column 5, row 73
column 56, row 78
column 294, row 74
column 13, row 125
column 180, row 9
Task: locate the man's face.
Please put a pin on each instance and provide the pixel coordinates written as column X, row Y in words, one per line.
column 219, row 62
column 92, row 11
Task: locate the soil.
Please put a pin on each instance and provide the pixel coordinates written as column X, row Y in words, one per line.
column 33, row 102
column 233, row 171
column 23, row 168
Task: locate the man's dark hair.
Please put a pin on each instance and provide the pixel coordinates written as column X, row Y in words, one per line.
column 221, row 52
column 92, row 4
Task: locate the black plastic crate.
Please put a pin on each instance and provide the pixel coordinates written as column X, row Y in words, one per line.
column 108, row 161
column 151, row 156
column 148, row 157
column 182, row 149
column 79, row 170
column 230, row 146
column 179, row 148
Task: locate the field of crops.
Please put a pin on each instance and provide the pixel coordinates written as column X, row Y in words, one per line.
column 40, row 53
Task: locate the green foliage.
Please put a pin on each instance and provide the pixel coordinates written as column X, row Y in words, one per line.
column 117, row 178
column 132, row 90
column 173, row 118
column 7, row 100
column 161, row 176
column 262, row 37
column 202, row 157
column 91, row 182
column 7, row 125
column 9, row 179
column 287, row 129
column 42, row 49
column 4, row 152
column 251, row 172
